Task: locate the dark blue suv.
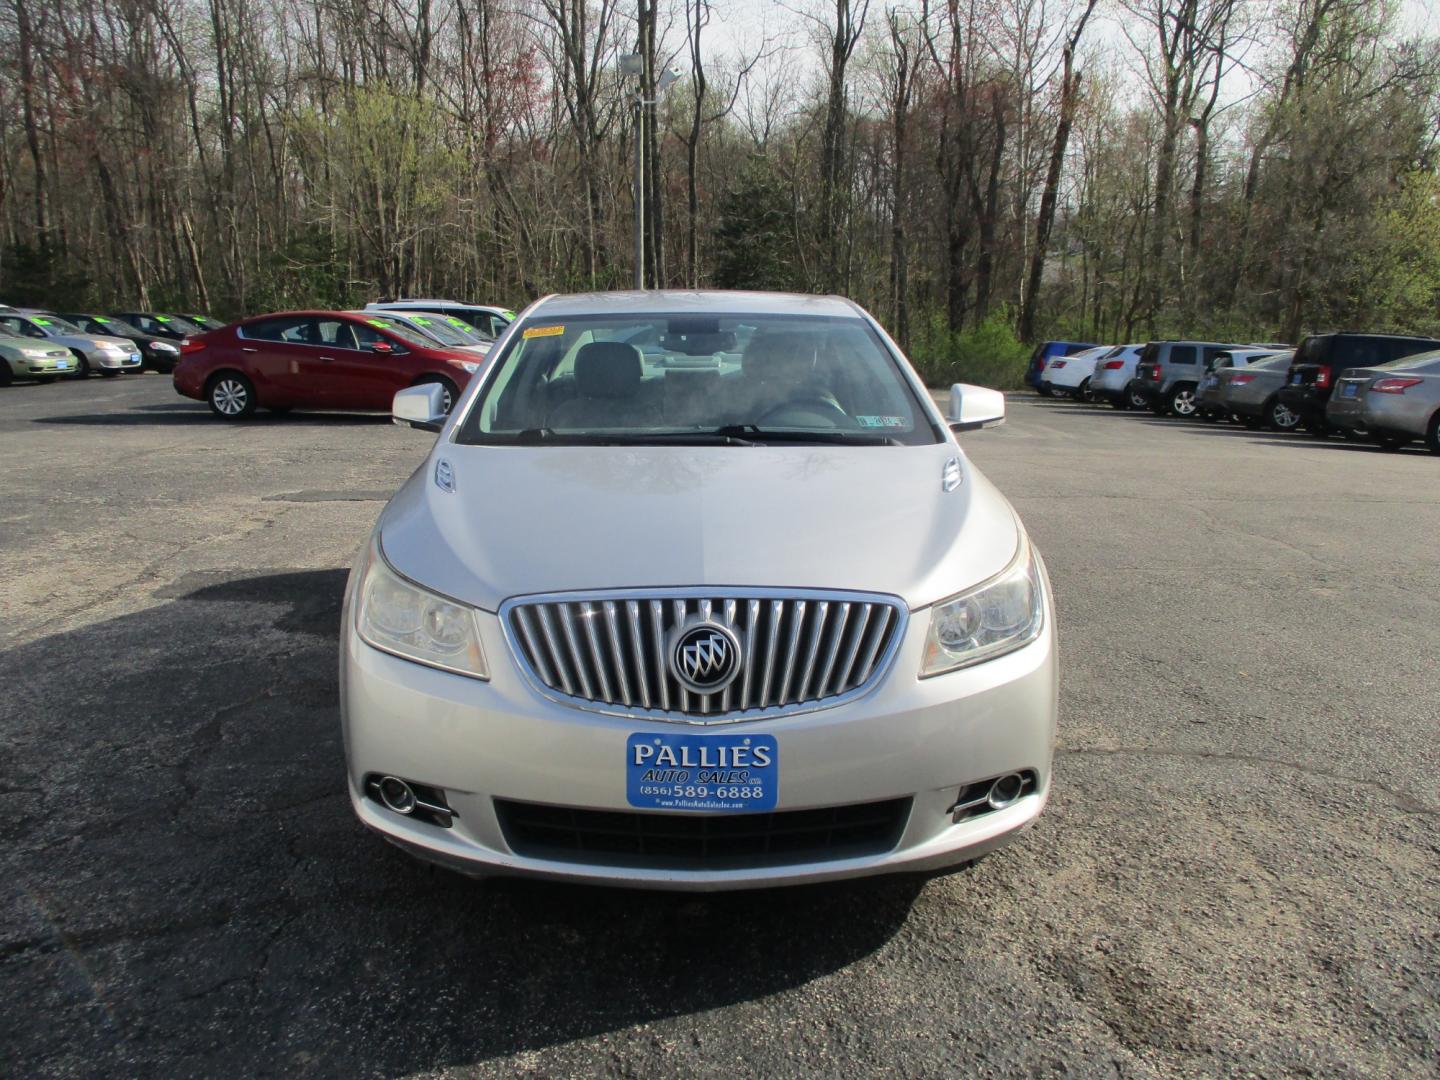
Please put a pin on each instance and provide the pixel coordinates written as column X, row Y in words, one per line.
column 1043, row 352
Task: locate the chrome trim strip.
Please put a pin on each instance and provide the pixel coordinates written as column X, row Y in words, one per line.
column 895, row 620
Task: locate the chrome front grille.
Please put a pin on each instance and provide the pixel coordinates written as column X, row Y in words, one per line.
column 611, row 652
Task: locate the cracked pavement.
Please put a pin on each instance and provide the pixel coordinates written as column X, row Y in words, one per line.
column 1239, row 872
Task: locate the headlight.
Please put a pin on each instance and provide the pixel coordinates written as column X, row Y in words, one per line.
column 163, row 346
column 39, row 354
column 1000, row 616
column 471, row 368
column 398, row 616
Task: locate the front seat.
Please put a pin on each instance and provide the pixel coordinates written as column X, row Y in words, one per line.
column 783, row 367
column 607, row 390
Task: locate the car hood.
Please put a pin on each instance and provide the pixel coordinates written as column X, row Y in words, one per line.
column 525, row 520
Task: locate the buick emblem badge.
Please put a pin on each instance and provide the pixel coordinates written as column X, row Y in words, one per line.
column 705, row 657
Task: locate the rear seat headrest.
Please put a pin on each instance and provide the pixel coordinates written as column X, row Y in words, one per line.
column 607, row 369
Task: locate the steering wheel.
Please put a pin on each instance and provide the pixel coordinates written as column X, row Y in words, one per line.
column 817, row 407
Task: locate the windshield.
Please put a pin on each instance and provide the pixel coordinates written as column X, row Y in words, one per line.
column 108, row 324
column 672, row 378
column 179, row 325
column 1279, row 360
column 1426, row 361
column 400, row 330
column 440, row 328
column 53, row 324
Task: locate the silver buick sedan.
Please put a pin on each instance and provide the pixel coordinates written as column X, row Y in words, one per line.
column 732, row 610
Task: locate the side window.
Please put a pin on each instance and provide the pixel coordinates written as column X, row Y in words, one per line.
column 11, row 326
column 1223, row 360
column 1182, row 354
column 367, row 337
column 29, row 329
column 334, row 332
column 271, row 329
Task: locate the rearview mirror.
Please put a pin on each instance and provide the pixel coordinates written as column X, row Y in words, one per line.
column 420, row 407
column 974, row 407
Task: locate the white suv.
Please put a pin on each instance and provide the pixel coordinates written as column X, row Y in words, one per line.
column 759, row 622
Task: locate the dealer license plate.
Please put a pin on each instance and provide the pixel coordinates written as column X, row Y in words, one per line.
column 717, row 773
column 1351, row 389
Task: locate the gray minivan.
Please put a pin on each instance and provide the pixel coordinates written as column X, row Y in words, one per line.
column 1170, row 371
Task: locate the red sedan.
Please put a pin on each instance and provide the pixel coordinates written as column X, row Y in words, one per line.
column 314, row 360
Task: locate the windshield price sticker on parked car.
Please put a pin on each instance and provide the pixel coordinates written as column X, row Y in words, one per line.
column 715, row 773
column 544, row 331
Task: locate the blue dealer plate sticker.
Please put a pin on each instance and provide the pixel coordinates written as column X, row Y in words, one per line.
column 1351, row 390
column 718, row 773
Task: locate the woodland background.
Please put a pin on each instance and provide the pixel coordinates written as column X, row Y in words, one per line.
column 976, row 173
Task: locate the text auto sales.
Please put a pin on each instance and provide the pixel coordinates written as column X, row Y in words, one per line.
column 716, row 765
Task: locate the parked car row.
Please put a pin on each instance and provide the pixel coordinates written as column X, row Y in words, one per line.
column 338, row 359
column 1384, row 388
column 42, row 345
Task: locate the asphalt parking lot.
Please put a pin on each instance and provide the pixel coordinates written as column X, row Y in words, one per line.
column 1239, row 872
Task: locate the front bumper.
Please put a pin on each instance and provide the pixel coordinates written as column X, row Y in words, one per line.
column 116, row 361
column 909, row 738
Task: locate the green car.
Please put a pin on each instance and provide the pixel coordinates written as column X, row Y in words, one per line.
column 27, row 358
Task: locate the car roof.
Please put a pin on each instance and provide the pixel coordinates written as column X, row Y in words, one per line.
column 685, row 302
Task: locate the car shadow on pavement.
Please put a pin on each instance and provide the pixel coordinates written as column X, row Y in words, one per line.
column 188, row 891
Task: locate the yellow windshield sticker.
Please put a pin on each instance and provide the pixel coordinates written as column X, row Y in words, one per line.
column 543, row 331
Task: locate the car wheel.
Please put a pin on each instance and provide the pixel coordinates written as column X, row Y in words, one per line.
column 231, row 395
column 1083, row 392
column 1432, row 436
column 1137, row 400
column 82, row 365
column 1182, row 402
column 1280, row 417
column 6, row 375
column 452, row 392
column 1386, row 441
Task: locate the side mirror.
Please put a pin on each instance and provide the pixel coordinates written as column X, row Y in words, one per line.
column 420, row 407
column 384, row 348
column 974, row 407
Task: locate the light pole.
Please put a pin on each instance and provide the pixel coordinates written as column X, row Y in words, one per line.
column 634, row 64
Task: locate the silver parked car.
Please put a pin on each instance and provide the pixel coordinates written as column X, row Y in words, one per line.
column 760, row 623
column 1111, row 381
column 26, row 358
column 92, row 352
column 1392, row 403
column 1209, row 394
column 1251, row 395
column 445, row 330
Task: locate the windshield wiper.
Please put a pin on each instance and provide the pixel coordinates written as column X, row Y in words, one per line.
column 852, row 438
column 532, row 436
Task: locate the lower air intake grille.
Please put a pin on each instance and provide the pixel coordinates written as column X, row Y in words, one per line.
column 727, row 841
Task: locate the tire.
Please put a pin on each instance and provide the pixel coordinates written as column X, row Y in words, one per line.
column 1432, row 434
column 1136, row 400
column 230, row 395
column 1386, row 441
column 1182, row 402
column 1083, row 393
column 1279, row 417
column 82, row 365
column 452, row 392
column 7, row 376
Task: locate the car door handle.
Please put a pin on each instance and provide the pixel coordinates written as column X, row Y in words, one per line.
column 247, row 348
column 328, row 359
